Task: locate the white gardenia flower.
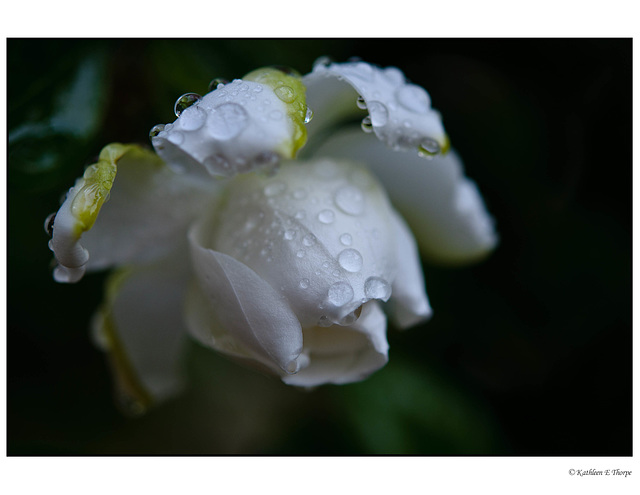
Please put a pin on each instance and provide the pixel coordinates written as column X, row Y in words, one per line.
column 280, row 257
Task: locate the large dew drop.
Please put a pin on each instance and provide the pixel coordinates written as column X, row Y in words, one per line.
column 227, row 121
column 185, row 101
column 193, row 118
column 377, row 288
column 350, row 260
column 340, row 294
column 350, row 200
column 285, row 93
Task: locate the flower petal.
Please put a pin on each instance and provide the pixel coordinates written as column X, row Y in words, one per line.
column 443, row 208
column 255, row 317
column 140, row 326
column 409, row 303
column 240, row 126
column 340, row 354
column 400, row 113
column 148, row 211
column 320, row 232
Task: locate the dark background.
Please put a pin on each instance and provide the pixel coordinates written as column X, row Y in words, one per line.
column 529, row 352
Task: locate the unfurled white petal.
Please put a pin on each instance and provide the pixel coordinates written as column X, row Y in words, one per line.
column 136, row 215
column 398, row 112
column 344, row 354
column 444, row 208
column 141, row 327
column 247, row 124
column 255, row 317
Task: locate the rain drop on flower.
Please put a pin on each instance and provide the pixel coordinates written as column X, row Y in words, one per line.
column 285, row 93
column 185, row 101
column 361, row 103
column 429, row 148
column 308, row 116
column 217, row 82
column 366, row 124
column 350, row 260
column 326, row 216
column 155, row 130
column 377, row 288
column 340, row 294
column 48, row 224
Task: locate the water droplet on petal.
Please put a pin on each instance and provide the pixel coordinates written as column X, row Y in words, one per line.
column 227, row 121
column 377, row 288
column 324, row 321
column 361, row 103
column 290, row 234
column 350, row 200
column 155, row 130
column 350, row 260
column 285, row 93
column 216, row 164
column 48, row 224
column 346, row 239
column 304, row 283
column 268, row 161
column 308, row 116
column 185, row 101
column 326, row 216
column 429, row 148
column 300, row 253
column 379, row 114
column 193, row 118
column 366, row 124
column 216, row 83
column 309, row 240
column 340, row 294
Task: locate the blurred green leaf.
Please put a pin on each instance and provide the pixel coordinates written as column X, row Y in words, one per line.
column 410, row 408
column 50, row 132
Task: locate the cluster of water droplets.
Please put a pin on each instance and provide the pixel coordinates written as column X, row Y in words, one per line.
column 205, row 124
column 312, row 228
column 399, row 112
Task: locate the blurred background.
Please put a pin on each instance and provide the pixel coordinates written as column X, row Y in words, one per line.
column 528, row 352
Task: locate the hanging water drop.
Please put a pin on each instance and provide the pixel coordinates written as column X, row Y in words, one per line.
column 308, row 116
column 216, row 83
column 362, row 105
column 155, row 130
column 48, row 224
column 429, row 148
column 185, row 101
column 377, row 288
column 366, row 124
